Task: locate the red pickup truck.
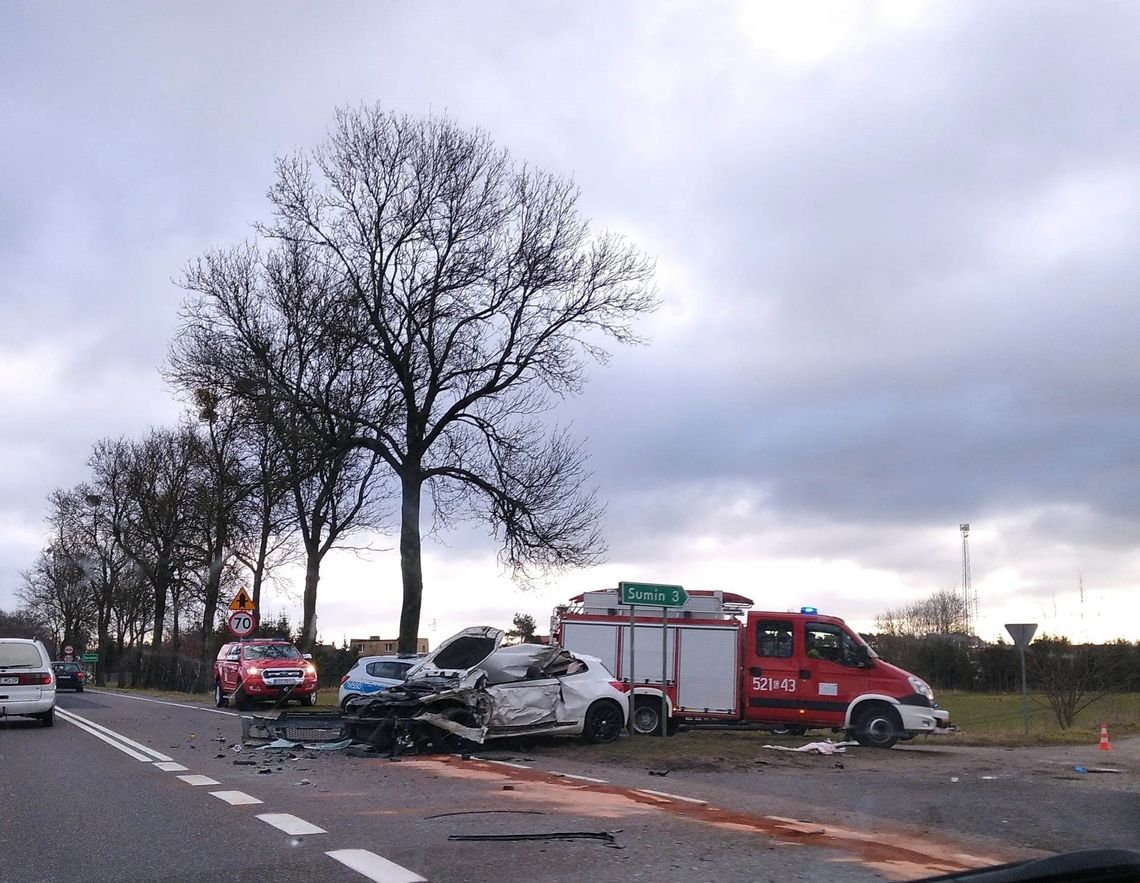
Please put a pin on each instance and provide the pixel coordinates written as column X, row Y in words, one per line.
column 263, row 668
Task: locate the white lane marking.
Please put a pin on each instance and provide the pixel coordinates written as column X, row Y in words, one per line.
column 165, row 702
column 290, row 824
column 199, row 780
column 581, row 778
column 517, row 766
column 672, row 796
column 235, row 798
column 375, row 867
column 171, row 766
column 107, row 739
column 157, row 755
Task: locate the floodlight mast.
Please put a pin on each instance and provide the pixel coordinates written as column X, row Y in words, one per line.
column 969, row 602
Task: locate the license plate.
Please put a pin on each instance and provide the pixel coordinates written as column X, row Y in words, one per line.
column 9, row 680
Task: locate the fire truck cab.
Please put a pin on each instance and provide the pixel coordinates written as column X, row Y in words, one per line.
column 725, row 663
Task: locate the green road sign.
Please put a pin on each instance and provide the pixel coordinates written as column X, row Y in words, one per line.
column 90, row 657
column 652, row 595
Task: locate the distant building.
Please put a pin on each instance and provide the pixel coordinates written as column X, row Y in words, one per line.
column 377, row 646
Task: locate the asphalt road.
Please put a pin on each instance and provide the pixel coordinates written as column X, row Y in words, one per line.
column 124, row 788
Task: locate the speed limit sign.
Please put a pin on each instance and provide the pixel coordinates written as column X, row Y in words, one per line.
column 242, row 623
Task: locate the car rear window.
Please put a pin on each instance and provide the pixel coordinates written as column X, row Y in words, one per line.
column 66, row 666
column 20, row 656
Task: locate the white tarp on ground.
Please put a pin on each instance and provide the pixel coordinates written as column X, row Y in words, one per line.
column 827, row 747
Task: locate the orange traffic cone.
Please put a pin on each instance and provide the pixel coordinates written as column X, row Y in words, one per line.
column 1104, row 745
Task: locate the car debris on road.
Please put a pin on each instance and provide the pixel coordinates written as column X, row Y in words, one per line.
column 825, row 747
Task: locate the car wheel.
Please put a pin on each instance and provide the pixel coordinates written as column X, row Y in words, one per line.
column 78, row 689
column 647, row 716
column 347, row 699
column 603, row 722
column 220, row 699
column 878, row 727
column 309, row 700
column 47, row 718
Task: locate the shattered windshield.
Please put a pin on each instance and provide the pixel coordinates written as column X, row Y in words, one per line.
column 270, row 651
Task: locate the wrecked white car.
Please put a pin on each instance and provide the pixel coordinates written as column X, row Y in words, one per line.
column 472, row 689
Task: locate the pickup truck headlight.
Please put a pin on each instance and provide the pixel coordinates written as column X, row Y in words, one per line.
column 921, row 687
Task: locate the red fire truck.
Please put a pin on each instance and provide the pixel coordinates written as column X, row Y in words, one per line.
column 726, row 663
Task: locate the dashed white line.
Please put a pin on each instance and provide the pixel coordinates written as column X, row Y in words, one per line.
column 669, row 796
column 235, row 798
column 290, row 824
column 199, row 780
column 171, row 766
column 375, row 867
column 582, row 778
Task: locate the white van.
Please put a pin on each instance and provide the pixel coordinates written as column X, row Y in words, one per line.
column 27, row 683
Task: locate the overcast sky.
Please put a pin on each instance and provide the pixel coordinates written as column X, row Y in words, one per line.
column 897, row 250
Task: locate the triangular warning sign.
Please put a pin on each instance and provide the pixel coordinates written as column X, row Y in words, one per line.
column 241, row 601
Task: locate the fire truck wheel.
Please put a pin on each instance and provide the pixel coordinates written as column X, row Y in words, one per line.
column 647, row 716
column 878, row 726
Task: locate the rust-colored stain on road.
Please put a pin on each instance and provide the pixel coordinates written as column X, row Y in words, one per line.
column 897, row 854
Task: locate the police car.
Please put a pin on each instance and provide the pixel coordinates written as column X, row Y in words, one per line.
column 371, row 674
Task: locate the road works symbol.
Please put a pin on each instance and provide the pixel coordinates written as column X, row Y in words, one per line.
column 242, row 601
column 241, row 623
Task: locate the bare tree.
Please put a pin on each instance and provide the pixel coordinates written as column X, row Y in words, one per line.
column 1071, row 677
column 256, row 331
column 146, row 486
column 462, row 294
column 943, row 613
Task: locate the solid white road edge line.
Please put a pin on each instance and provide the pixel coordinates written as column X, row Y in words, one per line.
column 165, row 702
column 157, row 755
column 290, row 824
column 517, row 766
column 199, row 780
column 235, row 798
column 581, row 778
column 108, row 740
column 375, row 867
column 671, row 796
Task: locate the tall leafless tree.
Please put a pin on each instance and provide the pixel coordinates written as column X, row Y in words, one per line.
column 146, row 486
column 459, row 296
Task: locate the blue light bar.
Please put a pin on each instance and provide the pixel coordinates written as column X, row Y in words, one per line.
column 808, row 610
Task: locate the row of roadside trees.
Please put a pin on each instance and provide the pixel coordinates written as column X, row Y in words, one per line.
column 385, row 349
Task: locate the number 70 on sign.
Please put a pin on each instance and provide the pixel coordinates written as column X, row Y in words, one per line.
column 242, row 623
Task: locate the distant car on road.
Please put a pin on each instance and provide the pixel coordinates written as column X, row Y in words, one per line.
column 371, row 674
column 263, row 668
column 69, row 676
column 27, row 683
